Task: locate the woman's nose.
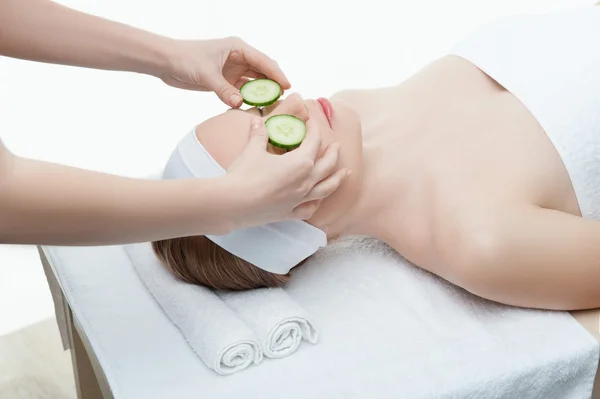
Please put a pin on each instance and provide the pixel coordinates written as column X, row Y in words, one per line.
column 293, row 105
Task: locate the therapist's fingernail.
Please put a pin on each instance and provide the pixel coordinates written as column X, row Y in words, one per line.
column 256, row 122
column 348, row 172
column 235, row 99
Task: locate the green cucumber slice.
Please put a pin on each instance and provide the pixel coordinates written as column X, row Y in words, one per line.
column 260, row 92
column 285, row 131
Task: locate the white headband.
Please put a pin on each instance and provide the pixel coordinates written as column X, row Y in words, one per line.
column 274, row 247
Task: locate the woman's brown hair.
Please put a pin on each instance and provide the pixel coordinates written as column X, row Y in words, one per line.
column 197, row 260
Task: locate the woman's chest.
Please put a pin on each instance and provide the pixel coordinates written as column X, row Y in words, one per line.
column 482, row 152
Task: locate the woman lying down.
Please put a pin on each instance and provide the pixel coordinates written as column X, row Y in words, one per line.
column 483, row 168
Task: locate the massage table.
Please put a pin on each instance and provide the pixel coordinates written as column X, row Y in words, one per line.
column 127, row 321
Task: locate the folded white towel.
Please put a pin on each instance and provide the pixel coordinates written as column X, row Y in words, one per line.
column 278, row 321
column 219, row 336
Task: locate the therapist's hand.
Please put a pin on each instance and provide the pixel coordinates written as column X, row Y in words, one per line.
column 219, row 65
column 282, row 187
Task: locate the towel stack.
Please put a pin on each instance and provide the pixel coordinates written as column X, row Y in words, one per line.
column 229, row 331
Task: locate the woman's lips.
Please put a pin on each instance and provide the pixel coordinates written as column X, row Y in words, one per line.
column 327, row 109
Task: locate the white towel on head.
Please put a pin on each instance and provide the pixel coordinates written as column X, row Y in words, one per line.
column 219, row 336
column 278, row 321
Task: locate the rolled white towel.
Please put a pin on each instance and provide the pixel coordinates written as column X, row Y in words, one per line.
column 217, row 334
column 277, row 320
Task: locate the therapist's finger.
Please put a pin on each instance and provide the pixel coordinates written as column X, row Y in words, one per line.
column 258, row 136
column 228, row 93
column 328, row 186
column 250, row 73
column 240, row 82
column 326, row 164
column 263, row 64
column 306, row 210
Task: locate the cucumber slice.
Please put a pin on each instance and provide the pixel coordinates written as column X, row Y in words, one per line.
column 285, row 131
column 260, row 92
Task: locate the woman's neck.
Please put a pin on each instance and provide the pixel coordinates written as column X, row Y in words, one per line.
column 392, row 159
column 364, row 218
column 379, row 195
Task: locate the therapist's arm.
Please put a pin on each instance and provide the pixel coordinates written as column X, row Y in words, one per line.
column 41, row 30
column 45, row 203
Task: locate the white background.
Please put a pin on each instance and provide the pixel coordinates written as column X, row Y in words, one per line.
column 127, row 124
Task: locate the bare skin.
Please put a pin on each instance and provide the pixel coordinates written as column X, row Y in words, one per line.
column 453, row 172
column 460, row 179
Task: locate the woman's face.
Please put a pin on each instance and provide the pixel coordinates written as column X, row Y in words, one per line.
column 225, row 136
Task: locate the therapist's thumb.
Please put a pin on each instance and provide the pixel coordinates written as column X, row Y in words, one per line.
column 258, row 135
column 226, row 92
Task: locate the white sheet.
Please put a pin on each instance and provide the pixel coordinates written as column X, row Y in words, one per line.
column 550, row 63
column 387, row 330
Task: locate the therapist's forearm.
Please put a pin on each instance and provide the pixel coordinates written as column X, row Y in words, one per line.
column 41, row 30
column 49, row 204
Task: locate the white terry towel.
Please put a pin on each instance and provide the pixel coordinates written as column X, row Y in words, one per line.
column 278, row 321
column 219, row 336
column 411, row 335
